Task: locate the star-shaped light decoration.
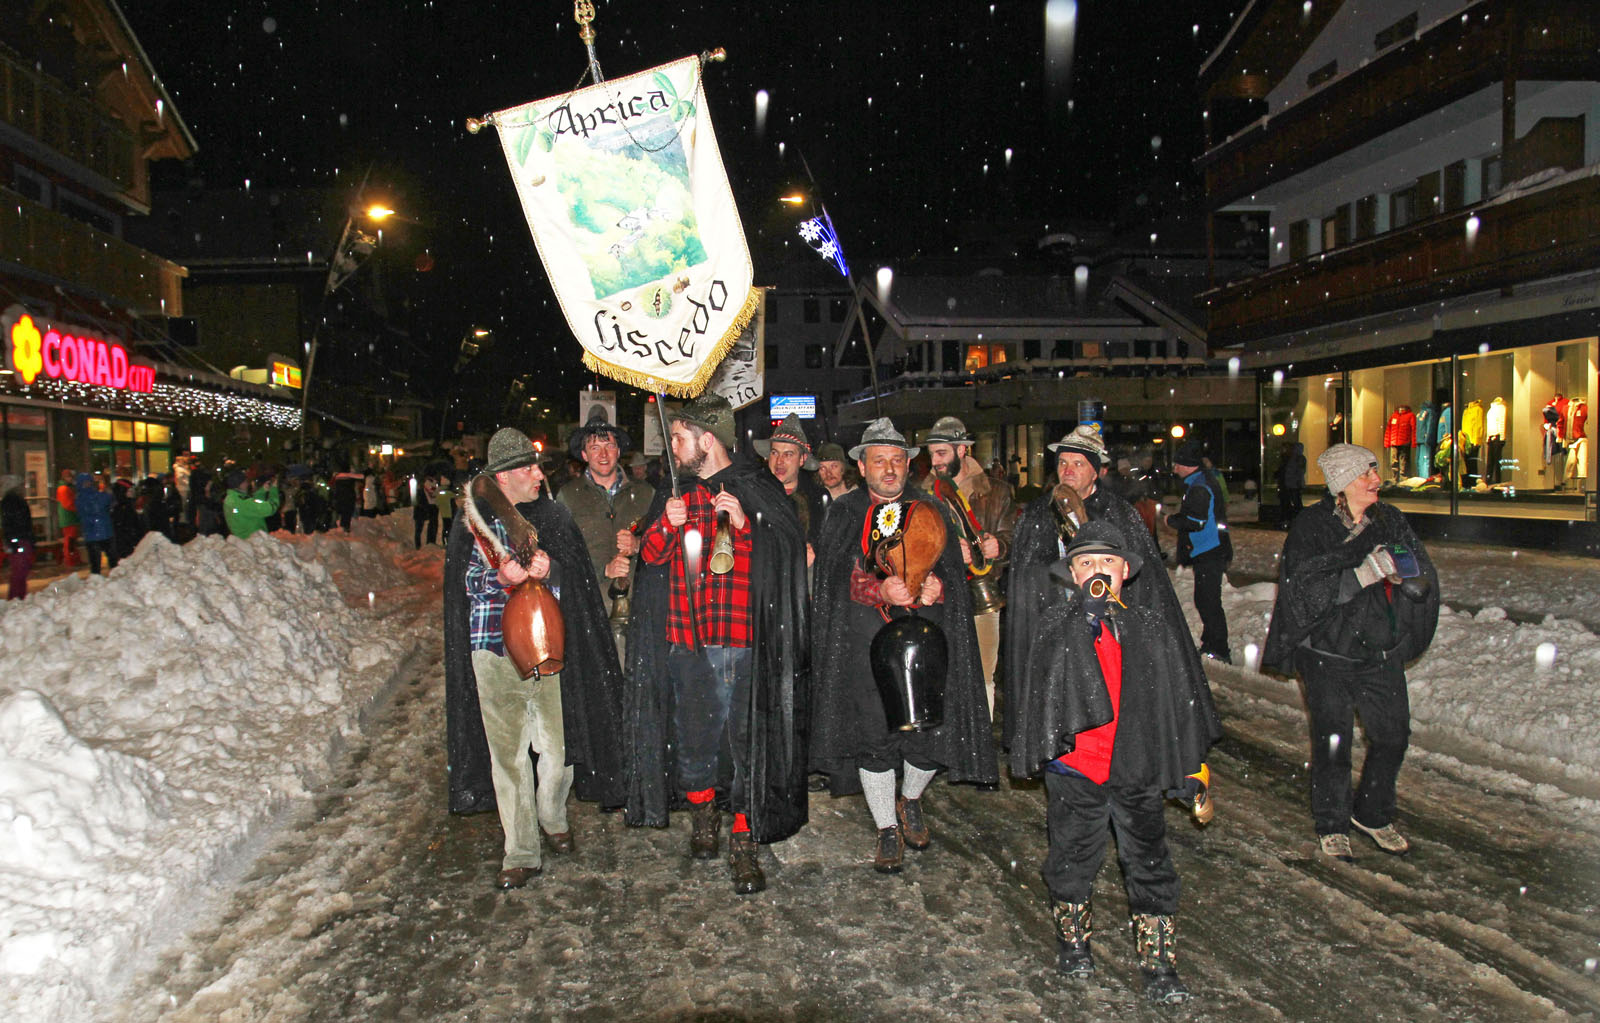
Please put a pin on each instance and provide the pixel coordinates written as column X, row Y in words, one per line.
column 819, row 234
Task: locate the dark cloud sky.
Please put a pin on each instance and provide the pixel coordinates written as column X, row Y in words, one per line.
column 904, row 110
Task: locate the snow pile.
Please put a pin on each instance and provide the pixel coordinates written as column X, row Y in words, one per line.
column 151, row 721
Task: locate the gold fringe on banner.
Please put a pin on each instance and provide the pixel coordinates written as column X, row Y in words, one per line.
column 708, row 366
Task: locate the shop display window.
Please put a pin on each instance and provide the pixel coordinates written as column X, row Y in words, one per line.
column 1311, row 411
column 1406, row 414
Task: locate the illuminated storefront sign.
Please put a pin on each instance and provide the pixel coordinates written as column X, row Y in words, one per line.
column 285, row 374
column 38, row 347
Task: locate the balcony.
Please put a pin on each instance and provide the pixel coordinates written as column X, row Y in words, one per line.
column 1552, row 40
column 1545, row 232
column 72, row 125
column 57, row 246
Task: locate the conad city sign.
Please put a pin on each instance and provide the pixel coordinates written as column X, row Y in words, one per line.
column 37, row 347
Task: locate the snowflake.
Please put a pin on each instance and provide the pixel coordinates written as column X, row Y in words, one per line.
column 811, row 230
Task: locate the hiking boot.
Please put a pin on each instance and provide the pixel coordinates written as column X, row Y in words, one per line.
column 703, row 841
column 912, row 825
column 891, row 851
column 1202, row 807
column 747, row 876
column 1337, row 845
column 1155, row 939
column 1074, row 925
column 1386, row 838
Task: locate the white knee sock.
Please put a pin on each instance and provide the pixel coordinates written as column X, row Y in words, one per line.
column 915, row 782
column 879, row 789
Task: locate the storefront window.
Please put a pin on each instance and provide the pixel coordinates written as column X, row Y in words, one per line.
column 129, row 449
column 1310, row 411
column 1405, row 414
column 27, row 455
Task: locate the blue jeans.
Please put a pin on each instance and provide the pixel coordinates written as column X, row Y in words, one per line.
column 711, row 689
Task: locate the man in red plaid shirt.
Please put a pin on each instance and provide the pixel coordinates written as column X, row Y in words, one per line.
column 734, row 659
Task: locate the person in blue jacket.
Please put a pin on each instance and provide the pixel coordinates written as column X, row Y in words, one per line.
column 94, row 517
column 1201, row 522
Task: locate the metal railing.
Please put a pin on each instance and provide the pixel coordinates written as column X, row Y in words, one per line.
column 40, row 106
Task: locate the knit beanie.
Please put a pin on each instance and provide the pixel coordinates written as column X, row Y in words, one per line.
column 1343, row 464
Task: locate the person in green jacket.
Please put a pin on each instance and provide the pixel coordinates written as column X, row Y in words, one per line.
column 245, row 509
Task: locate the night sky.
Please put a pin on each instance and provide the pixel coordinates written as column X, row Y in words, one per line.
column 905, row 111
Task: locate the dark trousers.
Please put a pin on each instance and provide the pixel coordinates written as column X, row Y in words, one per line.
column 1081, row 816
column 96, row 549
column 1208, row 571
column 1288, row 504
column 424, row 515
column 21, row 564
column 1334, row 694
column 713, row 738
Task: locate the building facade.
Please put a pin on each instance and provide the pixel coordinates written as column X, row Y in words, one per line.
column 1430, row 170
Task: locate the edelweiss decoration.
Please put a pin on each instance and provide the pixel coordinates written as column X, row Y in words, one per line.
column 624, row 191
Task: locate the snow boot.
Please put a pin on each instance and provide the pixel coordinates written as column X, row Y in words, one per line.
column 747, row 876
column 1157, row 945
column 1386, row 838
column 1337, row 845
column 1074, row 925
column 891, row 851
column 707, row 821
column 912, row 824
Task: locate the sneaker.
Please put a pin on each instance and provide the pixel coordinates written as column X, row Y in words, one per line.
column 1202, row 807
column 1386, row 838
column 1337, row 846
column 891, row 851
column 912, row 824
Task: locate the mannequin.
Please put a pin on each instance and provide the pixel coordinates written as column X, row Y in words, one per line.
column 1422, row 449
column 1398, row 437
column 1442, row 440
column 1495, row 433
column 1577, row 441
column 1472, row 430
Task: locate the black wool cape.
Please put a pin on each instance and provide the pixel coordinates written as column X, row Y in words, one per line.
column 467, row 751
column 591, row 679
column 963, row 744
column 780, row 667
column 1030, row 591
column 1317, row 554
column 1163, row 728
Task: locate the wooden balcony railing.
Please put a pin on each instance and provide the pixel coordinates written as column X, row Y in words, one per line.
column 47, row 242
column 1549, row 39
column 1546, row 232
column 72, row 125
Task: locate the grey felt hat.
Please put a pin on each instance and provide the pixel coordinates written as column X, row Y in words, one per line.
column 1086, row 441
column 881, row 433
column 831, row 452
column 598, row 422
column 792, row 431
column 948, row 430
column 712, row 413
column 509, row 449
column 1343, row 464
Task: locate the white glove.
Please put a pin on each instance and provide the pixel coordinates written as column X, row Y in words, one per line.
column 1377, row 565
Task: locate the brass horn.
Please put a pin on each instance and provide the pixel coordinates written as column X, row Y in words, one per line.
column 721, row 562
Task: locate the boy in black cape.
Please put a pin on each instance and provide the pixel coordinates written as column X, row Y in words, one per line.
column 1103, row 712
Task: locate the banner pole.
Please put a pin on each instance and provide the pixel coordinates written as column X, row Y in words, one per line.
column 583, row 14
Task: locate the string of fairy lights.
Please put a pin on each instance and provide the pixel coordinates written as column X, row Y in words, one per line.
column 171, row 400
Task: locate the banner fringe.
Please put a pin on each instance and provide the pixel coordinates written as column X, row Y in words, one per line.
column 708, row 365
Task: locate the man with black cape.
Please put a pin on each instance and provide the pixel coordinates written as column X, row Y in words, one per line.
column 1105, row 713
column 852, row 740
column 1040, row 541
column 591, row 691
column 718, row 650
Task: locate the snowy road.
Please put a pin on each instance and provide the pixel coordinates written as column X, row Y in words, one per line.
column 374, row 904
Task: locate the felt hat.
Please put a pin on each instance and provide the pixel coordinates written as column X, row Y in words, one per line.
column 712, row 413
column 598, row 422
column 1101, row 537
column 1086, row 441
column 1343, row 464
column 509, row 449
column 948, row 430
column 831, row 452
column 881, row 433
column 636, row 460
column 790, row 431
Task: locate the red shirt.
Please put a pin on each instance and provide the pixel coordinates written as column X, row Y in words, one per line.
column 1091, row 754
column 718, row 606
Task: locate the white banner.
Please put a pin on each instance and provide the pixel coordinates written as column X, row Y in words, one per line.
column 741, row 378
column 625, row 194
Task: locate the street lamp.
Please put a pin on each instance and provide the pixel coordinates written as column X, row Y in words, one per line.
column 355, row 245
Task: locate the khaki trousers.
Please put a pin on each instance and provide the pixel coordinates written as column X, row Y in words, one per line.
column 519, row 713
column 988, row 629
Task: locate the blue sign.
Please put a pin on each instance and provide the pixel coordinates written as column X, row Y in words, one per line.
column 802, row 405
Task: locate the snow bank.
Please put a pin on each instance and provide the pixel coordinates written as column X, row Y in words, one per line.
column 152, row 720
